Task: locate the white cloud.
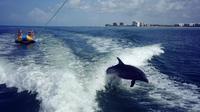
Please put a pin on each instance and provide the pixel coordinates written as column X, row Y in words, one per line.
column 131, row 5
column 35, row 16
column 166, row 5
column 116, row 5
column 38, row 15
column 146, row 10
column 74, row 3
column 79, row 4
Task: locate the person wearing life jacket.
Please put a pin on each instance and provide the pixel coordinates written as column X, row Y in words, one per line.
column 19, row 35
column 30, row 36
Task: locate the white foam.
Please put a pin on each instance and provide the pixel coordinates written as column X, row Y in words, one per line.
column 105, row 44
column 63, row 85
column 166, row 91
column 58, row 83
column 7, row 43
column 174, row 93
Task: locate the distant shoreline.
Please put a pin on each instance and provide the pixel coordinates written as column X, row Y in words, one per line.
column 142, row 24
column 29, row 26
column 150, row 27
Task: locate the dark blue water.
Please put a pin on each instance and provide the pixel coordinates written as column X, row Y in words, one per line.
column 65, row 70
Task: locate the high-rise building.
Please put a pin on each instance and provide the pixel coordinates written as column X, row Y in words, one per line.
column 137, row 23
column 115, row 24
column 134, row 23
column 121, row 24
column 191, row 24
column 181, row 24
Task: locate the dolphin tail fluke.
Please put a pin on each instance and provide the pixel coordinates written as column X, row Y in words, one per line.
column 132, row 83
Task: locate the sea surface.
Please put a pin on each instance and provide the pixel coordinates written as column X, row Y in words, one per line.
column 64, row 71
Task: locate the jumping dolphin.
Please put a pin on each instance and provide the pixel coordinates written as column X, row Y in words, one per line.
column 127, row 72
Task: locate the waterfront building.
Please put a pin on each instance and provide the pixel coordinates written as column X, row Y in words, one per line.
column 191, row 24
column 181, row 24
column 186, row 25
column 121, row 24
column 176, row 25
column 134, row 23
column 115, row 24
column 197, row 25
column 138, row 23
column 108, row 25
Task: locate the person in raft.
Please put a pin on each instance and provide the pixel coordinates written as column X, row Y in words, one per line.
column 22, row 37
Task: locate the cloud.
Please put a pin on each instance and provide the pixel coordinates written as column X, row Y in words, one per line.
column 159, row 6
column 78, row 4
column 118, row 5
column 167, row 5
column 150, row 11
column 74, row 3
column 144, row 5
column 38, row 15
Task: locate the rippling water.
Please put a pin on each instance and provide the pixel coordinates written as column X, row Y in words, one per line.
column 65, row 70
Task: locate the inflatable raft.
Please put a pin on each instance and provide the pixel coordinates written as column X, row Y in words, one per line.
column 25, row 39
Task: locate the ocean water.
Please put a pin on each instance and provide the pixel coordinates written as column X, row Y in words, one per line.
column 64, row 71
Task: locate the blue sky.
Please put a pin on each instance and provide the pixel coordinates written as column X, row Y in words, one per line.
column 98, row 12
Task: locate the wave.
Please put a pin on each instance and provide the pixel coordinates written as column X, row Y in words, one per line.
column 162, row 89
column 66, row 83
column 57, row 81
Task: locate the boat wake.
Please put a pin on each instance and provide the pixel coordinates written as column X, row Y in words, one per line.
column 66, row 83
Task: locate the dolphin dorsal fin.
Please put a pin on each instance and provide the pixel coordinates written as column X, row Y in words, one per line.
column 120, row 61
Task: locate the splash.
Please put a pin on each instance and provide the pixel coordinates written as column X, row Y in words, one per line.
column 57, row 81
column 166, row 91
column 66, row 83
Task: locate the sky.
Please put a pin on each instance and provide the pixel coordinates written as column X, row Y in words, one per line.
column 98, row 12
